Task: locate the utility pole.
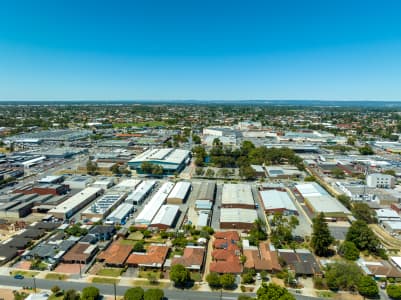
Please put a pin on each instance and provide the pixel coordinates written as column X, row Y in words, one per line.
column 34, row 283
column 115, row 291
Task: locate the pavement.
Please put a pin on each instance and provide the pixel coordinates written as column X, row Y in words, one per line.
column 108, row 289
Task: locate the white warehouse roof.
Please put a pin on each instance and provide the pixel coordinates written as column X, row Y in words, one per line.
column 105, row 203
column 152, row 207
column 180, row 190
column 141, row 190
column 274, row 199
column 128, row 184
column 166, row 215
column 311, row 189
column 327, row 204
column 169, row 155
column 237, row 194
column 121, row 211
column 75, row 200
column 238, row 215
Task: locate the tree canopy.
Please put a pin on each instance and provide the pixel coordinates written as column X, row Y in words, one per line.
column 367, row 287
column 348, row 250
column 394, row 291
column 135, row 293
column 179, row 275
column 273, row 292
column 321, row 236
column 343, row 276
column 90, row 293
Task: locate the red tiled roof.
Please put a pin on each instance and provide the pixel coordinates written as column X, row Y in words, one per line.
column 116, row 253
column 231, row 265
column 193, row 256
column 155, row 255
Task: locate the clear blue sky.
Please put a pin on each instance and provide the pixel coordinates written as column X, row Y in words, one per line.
column 200, row 49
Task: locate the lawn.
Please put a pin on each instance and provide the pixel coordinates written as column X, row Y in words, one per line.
column 112, row 272
column 56, row 276
column 146, row 284
column 195, row 276
column 140, row 124
column 104, row 280
column 24, row 273
column 127, row 242
column 144, row 274
column 325, row 294
column 60, row 296
column 136, row 236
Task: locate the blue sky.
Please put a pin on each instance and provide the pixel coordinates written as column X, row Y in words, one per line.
column 311, row 49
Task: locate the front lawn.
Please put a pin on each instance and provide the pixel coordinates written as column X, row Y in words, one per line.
column 105, row 280
column 56, row 276
column 24, row 273
column 112, row 272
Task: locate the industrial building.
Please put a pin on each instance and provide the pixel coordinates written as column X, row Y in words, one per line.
column 237, row 218
column 104, row 182
column 237, row 196
column 179, row 193
column 120, row 214
column 127, row 185
column 171, row 160
column 141, row 192
column 379, row 180
column 78, row 182
column 68, row 208
column 149, row 211
column 205, row 197
column 166, row 217
column 103, row 206
column 319, row 201
column 275, row 201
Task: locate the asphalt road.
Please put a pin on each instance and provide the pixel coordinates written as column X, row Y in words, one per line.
column 108, row 289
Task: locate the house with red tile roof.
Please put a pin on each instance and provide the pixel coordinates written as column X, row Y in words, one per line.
column 261, row 258
column 154, row 257
column 192, row 258
column 226, row 253
column 116, row 254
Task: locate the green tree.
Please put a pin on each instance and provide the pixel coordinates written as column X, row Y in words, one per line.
column 154, row 294
column 227, row 280
column 362, row 211
column 213, row 279
column 345, row 200
column 244, row 297
column 91, row 167
column 139, row 246
column 90, row 293
column 394, row 291
column 147, row 167
column 135, row 293
column 116, row 169
column 196, row 139
column 55, row 289
column 282, row 228
column 366, row 150
column 179, row 275
column 363, row 237
column 321, row 237
column 257, row 233
column 343, row 276
column 71, row 295
column 338, row 173
column 247, row 172
column 273, row 291
column 348, row 250
column 367, row 287
column 247, row 278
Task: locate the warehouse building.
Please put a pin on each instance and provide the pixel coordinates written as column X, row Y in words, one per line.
column 120, row 214
column 78, row 182
column 103, row 206
column 275, row 201
column 171, row 160
column 104, row 182
column 68, row 208
column 127, row 185
column 206, row 195
column 237, row 218
column 141, row 192
column 179, row 193
column 237, row 196
column 319, row 201
column 150, row 210
column 166, row 217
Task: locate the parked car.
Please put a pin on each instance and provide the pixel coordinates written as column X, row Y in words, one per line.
column 383, row 285
column 18, row 276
